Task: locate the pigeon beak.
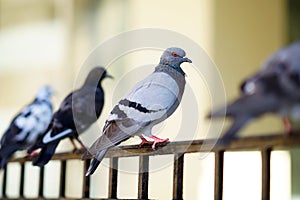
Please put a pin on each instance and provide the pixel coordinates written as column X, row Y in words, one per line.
column 109, row 76
column 185, row 59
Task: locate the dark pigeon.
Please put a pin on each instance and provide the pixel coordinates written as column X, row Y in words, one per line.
column 78, row 111
column 28, row 125
column 275, row 88
column 148, row 103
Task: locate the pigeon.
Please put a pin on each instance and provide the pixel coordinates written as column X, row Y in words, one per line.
column 148, row 103
column 78, row 111
column 28, row 125
column 275, row 88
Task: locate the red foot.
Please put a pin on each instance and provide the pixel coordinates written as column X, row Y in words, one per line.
column 287, row 126
column 144, row 141
column 158, row 140
column 34, row 153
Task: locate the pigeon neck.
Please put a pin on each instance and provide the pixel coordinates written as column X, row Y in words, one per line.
column 43, row 97
column 93, row 83
column 166, row 67
column 43, row 100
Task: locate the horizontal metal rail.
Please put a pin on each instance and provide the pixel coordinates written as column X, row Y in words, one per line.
column 264, row 144
column 242, row 144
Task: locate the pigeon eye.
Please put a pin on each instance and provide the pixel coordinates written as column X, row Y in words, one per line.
column 174, row 54
column 281, row 67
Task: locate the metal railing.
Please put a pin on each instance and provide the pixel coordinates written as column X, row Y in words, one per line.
column 264, row 144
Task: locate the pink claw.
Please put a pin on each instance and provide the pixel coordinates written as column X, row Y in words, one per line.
column 287, row 126
column 144, row 141
column 158, row 140
column 34, row 153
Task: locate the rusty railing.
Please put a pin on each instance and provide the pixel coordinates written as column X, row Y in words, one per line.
column 264, row 144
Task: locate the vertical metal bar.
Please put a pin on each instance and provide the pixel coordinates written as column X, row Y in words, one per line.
column 219, row 167
column 21, row 189
column 41, row 182
column 4, row 182
column 266, row 170
column 113, row 178
column 293, row 20
column 62, row 187
column 86, row 180
column 143, row 177
column 178, row 176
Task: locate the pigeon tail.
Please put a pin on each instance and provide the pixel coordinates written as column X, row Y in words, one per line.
column 230, row 134
column 95, row 163
column 5, row 153
column 3, row 162
column 45, row 154
column 218, row 113
column 227, row 111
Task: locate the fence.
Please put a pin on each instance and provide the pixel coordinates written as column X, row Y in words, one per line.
column 264, row 144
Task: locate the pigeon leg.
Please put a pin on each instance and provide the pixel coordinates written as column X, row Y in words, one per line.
column 82, row 149
column 287, row 126
column 73, row 144
column 144, row 141
column 34, row 153
column 158, row 140
column 81, row 143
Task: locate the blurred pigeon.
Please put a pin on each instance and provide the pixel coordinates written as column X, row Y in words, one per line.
column 27, row 126
column 148, row 103
column 78, row 111
column 273, row 89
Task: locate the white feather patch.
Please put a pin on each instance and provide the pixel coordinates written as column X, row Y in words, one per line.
column 35, row 123
column 112, row 117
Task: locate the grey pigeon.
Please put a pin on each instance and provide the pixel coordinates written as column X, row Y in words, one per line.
column 275, row 88
column 78, row 111
column 27, row 126
column 148, row 103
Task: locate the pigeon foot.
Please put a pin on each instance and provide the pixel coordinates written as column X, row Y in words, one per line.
column 79, row 151
column 287, row 126
column 33, row 154
column 144, row 141
column 158, row 140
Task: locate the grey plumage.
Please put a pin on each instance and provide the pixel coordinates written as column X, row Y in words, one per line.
column 28, row 125
column 275, row 88
column 148, row 103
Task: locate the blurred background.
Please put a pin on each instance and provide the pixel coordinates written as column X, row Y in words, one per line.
column 46, row 42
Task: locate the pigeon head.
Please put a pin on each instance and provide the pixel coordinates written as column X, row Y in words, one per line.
column 173, row 57
column 96, row 75
column 44, row 93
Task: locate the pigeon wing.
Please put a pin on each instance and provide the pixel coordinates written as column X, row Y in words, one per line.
column 87, row 107
column 29, row 123
column 151, row 99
